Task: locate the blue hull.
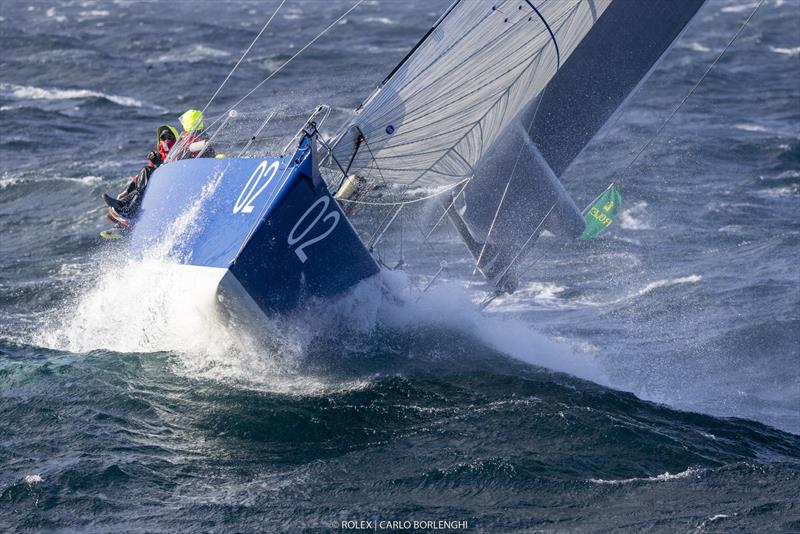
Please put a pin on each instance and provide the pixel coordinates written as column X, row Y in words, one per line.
column 267, row 230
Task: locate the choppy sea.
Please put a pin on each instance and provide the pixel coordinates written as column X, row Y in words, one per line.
column 647, row 381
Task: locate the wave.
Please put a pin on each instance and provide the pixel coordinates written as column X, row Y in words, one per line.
column 95, row 13
column 88, row 181
column 9, row 182
column 380, row 20
column 189, row 54
column 691, row 279
column 51, row 13
column 737, row 8
column 750, row 127
column 648, row 288
column 664, row 477
column 791, row 52
column 30, row 92
column 695, row 46
column 789, row 191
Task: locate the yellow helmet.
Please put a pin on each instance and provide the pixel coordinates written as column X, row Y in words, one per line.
column 192, row 120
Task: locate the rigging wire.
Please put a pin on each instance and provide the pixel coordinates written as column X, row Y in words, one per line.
column 255, row 135
column 280, row 68
column 692, row 90
column 494, row 220
column 263, row 29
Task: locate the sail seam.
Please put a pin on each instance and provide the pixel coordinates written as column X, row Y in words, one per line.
column 491, row 108
column 423, row 111
column 504, row 95
column 390, row 111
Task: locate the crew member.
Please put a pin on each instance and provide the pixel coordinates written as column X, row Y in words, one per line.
column 166, row 136
column 193, row 142
column 122, row 208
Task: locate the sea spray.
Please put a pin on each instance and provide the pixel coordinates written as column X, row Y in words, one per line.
column 391, row 303
column 143, row 301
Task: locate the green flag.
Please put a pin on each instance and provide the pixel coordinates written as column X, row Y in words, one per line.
column 600, row 214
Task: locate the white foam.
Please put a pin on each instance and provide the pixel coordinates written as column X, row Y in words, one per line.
column 189, row 54
column 8, row 182
column 94, row 13
column 791, row 52
column 51, row 13
column 380, row 20
column 141, row 305
column 89, row 181
column 737, row 8
column 664, row 477
column 450, row 306
column 32, row 479
column 691, row 279
column 30, row 92
column 154, row 304
column 731, row 229
column 781, row 192
column 544, row 294
column 750, row 127
column 697, row 47
column 635, row 217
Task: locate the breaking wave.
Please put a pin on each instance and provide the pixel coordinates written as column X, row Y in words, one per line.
column 189, row 54
column 30, row 92
column 791, row 52
column 664, row 477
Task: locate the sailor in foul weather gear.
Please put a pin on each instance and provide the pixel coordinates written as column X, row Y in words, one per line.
column 166, row 136
column 122, row 208
column 193, row 142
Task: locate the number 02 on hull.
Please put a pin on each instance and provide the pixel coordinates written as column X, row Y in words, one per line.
column 262, row 232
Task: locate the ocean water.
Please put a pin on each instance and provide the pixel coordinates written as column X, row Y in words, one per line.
column 646, row 381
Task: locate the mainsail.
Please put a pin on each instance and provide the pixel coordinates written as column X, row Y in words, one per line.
column 434, row 117
column 503, row 95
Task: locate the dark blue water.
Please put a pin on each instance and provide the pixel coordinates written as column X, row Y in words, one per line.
column 648, row 381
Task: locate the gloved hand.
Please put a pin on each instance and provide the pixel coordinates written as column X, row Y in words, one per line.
column 154, row 158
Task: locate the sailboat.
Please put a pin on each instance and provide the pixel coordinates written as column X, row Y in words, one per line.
column 486, row 112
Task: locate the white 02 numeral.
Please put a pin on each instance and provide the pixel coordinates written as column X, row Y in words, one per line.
column 244, row 203
column 331, row 216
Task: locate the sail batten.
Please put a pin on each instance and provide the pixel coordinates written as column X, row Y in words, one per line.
column 441, row 109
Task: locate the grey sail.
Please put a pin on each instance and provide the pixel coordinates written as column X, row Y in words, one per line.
column 432, row 120
column 614, row 57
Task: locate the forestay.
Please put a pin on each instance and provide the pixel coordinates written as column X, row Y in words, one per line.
column 443, row 107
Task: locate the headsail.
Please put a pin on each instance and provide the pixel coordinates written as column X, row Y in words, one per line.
column 604, row 69
column 443, row 107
